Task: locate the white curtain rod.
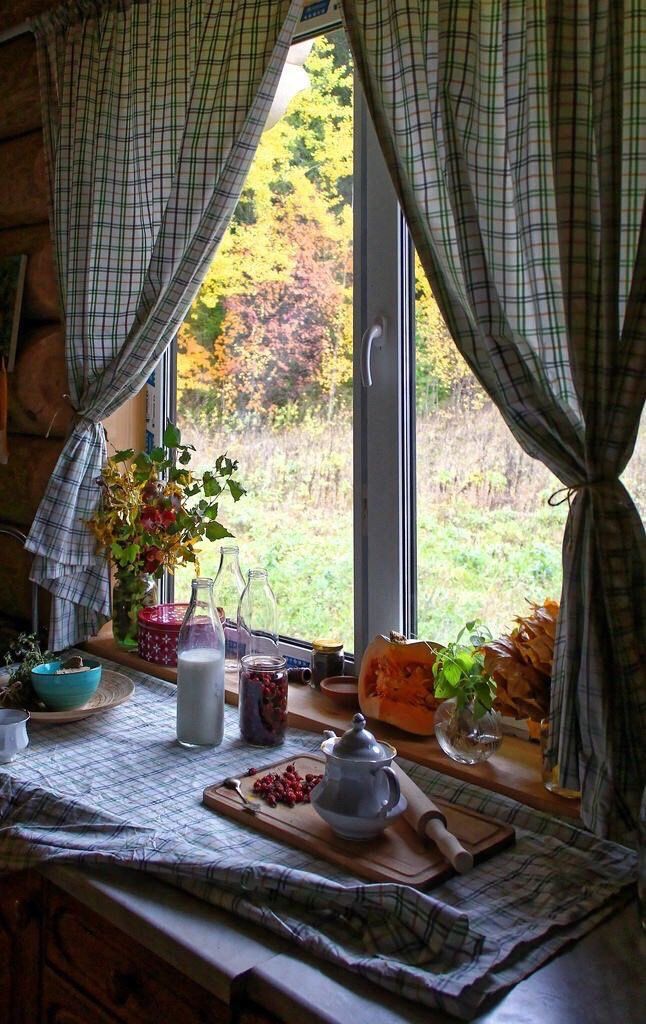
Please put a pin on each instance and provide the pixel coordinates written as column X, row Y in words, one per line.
column 13, row 33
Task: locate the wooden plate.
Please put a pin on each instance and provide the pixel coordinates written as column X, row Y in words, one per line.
column 113, row 690
column 343, row 690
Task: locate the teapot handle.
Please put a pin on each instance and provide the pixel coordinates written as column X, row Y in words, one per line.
column 394, row 790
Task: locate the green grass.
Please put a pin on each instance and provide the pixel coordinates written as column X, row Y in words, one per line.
column 487, row 565
column 488, row 542
column 309, row 560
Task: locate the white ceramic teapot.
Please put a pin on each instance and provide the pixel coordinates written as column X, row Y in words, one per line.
column 359, row 794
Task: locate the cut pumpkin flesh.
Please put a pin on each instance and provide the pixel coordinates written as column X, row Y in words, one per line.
column 396, row 683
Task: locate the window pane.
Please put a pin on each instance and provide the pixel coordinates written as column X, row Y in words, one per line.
column 265, row 357
column 634, row 476
column 487, row 541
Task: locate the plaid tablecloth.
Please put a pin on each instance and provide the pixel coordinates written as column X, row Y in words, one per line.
column 117, row 788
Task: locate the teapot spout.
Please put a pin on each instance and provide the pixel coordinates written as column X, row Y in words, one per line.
column 329, row 734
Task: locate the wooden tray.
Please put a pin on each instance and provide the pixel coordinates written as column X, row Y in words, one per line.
column 398, row 855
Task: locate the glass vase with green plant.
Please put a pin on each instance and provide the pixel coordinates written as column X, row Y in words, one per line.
column 153, row 512
column 466, row 726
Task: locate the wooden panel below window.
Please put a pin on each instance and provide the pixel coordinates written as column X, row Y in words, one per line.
column 126, row 428
column 120, row 974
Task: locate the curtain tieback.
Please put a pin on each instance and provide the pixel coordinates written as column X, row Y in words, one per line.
column 563, row 494
column 80, row 417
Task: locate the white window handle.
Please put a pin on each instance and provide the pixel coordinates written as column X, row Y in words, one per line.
column 376, row 333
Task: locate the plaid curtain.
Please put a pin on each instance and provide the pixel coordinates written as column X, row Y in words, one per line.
column 515, row 131
column 152, row 113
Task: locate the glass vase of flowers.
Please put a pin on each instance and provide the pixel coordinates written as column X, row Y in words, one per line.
column 154, row 510
column 131, row 592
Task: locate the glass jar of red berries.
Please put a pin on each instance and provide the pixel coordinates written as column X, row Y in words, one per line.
column 263, row 699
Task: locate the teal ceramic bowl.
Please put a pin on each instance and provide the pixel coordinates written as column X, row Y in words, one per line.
column 66, row 691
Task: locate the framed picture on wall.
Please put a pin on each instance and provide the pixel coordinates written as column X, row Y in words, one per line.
column 12, row 280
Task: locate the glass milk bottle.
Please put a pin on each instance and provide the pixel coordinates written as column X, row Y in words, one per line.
column 257, row 617
column 200, row 671
column 228, row 587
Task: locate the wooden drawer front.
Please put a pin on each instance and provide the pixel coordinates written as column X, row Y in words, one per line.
column 251, row 1013
column 20, row 919
column 122, row 976
column 63, row 1004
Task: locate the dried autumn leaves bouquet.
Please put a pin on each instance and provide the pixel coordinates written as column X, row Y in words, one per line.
column 521, row 663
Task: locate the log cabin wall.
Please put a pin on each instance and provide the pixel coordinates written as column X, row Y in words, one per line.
column 39, row 416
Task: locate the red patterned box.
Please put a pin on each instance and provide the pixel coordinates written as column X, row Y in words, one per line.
column 158, row 631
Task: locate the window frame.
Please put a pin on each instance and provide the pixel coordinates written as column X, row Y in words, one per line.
column 384, row 514
column 384, row 413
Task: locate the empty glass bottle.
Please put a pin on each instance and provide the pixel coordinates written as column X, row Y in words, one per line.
column 227, row 588
column 200, row 671
column 257, row 617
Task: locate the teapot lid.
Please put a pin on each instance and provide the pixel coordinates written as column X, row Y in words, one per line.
column 358, row 743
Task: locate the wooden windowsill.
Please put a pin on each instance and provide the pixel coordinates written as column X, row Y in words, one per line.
column 514, row 770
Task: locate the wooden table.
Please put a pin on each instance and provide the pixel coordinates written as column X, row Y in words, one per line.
column 110, row 946
column 600, row 980
column 515, row 769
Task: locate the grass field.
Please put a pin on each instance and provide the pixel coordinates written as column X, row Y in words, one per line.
column 488, row 542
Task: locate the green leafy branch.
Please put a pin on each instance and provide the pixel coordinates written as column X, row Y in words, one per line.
column 459, row 671
column 147, row 520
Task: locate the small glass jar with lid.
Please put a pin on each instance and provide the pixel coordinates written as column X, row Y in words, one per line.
column 263, row 699
column 327, row 660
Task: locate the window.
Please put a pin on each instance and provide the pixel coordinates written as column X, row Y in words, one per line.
column 265, row 355
column 385, row 490
column 487, row 541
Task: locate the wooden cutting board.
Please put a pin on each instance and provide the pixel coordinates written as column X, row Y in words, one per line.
column 398, row 855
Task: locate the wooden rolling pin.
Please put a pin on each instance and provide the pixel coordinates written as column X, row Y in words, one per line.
column 428, row 821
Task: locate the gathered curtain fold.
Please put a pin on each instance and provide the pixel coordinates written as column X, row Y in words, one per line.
column 514, row 132
column 152, row 113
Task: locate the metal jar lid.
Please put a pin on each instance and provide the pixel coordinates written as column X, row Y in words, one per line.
column 327, row 646
column 358, row 744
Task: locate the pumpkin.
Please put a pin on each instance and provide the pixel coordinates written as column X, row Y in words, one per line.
column 396, row 683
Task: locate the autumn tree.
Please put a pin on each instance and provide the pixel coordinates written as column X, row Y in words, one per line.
column 441, row 372
column 272, row 323
column 271, row 326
